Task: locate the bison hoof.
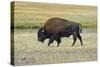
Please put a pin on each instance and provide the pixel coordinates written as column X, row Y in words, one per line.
column 57, row 46
column 48, row 45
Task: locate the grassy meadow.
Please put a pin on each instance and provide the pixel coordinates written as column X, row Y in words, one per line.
column 28, row 17
column 29, row 51
column 34, row 15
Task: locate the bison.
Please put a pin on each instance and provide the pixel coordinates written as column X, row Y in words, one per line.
column 56, row 28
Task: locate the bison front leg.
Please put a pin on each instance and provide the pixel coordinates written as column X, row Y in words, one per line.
column 58, row 41
column 51, row 39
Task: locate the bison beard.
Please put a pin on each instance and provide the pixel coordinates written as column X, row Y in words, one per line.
column 56, row 28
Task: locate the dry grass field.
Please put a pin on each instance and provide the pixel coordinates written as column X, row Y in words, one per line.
column 28, row 17
column 29, row 51
column 33, row 15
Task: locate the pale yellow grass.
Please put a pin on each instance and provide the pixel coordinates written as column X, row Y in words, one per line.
column 30, row 51
column 33, row 13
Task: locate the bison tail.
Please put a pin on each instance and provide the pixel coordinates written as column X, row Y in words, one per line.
column 80, row 28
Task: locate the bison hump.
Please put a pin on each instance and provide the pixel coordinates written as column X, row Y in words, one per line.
column 56, row 25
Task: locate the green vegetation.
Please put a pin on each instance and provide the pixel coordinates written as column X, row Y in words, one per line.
column 28, row 26
column 34, row 15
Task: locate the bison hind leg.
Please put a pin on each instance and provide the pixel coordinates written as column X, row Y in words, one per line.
column 74, row 38
column 80, row 38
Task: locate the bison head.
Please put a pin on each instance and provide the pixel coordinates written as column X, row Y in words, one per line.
column 41, row 35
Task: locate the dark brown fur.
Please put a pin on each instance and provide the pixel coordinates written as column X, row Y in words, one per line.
column 55, row 28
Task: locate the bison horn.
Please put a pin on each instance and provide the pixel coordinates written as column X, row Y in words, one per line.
column 41, row 29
